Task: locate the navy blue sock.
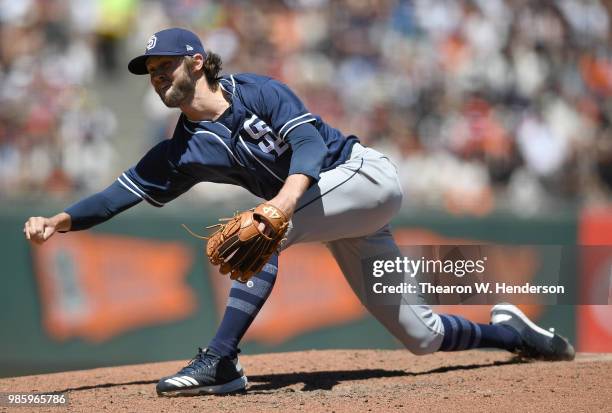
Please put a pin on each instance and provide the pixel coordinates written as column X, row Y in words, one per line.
column 462, row 334
column 243, row 304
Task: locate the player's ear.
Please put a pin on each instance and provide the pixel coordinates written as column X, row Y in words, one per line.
column 198, row 62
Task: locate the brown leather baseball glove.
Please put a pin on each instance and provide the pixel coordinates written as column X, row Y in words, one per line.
column 240, row 248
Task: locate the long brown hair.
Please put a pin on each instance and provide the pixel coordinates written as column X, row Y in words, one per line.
column 212, row 66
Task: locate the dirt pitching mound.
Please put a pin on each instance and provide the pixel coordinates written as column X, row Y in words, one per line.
column 348, row 381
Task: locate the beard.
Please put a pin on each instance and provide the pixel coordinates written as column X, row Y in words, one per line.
column 182, row 90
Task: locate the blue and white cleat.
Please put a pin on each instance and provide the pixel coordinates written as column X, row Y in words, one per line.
column 206, row 373
column 537, row 343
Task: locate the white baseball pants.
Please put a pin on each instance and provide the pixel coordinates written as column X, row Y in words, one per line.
column 349, row 210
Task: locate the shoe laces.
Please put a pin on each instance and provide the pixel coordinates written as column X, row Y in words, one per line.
column 201, row 360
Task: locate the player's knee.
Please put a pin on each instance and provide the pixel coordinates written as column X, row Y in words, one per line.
column 423, row 329
column 426, row 342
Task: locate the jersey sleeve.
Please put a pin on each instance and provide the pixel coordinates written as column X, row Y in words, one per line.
column 155, row 177
column 281, row 108
column 100, row 207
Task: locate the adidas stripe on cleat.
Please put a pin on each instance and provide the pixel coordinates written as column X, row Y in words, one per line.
column 206, row 373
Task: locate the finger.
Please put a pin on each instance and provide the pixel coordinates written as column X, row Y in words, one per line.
column 34, row 224
column 36, row 231
column 48, row 231
column 264, row 229
column 40, row 228
column 26, row 229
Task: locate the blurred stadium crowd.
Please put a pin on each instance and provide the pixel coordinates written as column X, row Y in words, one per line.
column 483, row 104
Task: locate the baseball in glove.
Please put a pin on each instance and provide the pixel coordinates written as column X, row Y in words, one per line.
column 240, row 247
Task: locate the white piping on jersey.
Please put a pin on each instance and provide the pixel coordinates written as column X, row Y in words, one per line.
column 233, row 85
column 257, row 159
column 289, row 121
column 296, row 125
column 280, row 132
column 240, row 137
column 128, row 188
column 220, row 140
column 209, row 121
column 143, row 193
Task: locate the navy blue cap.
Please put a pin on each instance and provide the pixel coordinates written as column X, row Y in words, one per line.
column 168, row 42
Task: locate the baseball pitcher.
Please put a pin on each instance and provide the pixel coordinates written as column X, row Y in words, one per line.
column 318, row 185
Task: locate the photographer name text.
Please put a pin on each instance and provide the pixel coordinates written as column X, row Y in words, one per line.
column 478, row 288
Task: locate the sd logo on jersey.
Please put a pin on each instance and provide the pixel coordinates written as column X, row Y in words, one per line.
column 268, row 141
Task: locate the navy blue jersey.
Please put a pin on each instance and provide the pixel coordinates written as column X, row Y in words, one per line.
column 246, row 146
